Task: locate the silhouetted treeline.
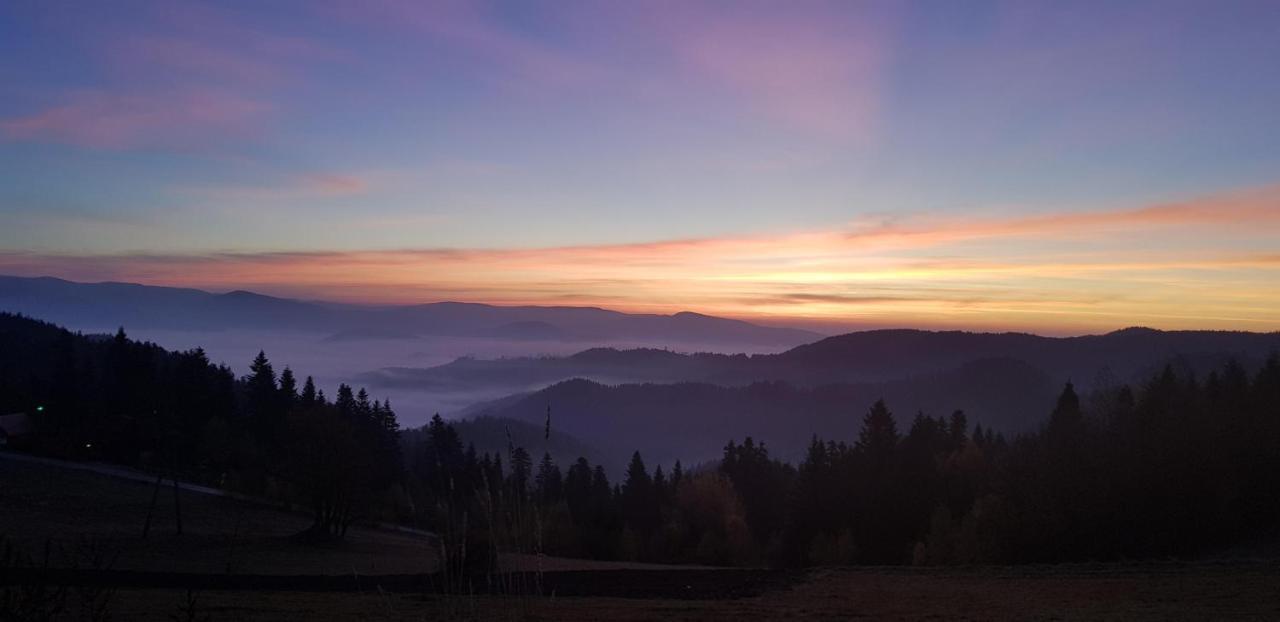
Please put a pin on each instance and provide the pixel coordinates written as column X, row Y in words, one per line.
column 175, row 413
column 1175, row 467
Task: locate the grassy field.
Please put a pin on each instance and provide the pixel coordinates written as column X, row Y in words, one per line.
column 40, row 504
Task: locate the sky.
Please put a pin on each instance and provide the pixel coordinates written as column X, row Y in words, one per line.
column 1054, row 167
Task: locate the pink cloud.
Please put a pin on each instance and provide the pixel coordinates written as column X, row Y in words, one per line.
column 208, row 79
column 814, row 73
column 182, row 117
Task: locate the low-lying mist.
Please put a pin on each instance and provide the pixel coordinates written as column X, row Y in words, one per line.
column 334, row 361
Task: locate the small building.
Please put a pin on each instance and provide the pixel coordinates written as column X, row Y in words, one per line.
column 14, row 429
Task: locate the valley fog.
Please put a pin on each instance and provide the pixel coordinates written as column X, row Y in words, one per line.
column 331, row 361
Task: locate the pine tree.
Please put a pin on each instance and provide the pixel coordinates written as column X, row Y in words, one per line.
column 639, row 509
column 577, row 492
column 1066, row 421
column 264, row 404
column 879, row 435
column 309, row 397
column 389, row 421
column 548, row 482
column 363, row 409
column 959, row 428
column 600, row 483
column 346, row 401
column 288, row 389
column 440, row 460
column 521, row 466
column 661, row 493
column 260, row 370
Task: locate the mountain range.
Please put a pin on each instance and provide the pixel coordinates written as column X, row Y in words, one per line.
column 867, row 356
column 686, row 406
column 691, row 421
column 668, row 404
column 106, row 306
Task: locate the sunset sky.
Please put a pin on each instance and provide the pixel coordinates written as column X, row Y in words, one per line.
column 1055, row 167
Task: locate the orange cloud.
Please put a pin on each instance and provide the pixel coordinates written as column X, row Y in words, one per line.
column 1028, row 272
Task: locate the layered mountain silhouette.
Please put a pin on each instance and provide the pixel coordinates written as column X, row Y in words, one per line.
column 671, row 405
column 106, row 306
column 691, row 421
column 868, row 356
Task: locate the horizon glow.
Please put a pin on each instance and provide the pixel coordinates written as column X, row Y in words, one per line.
column 1025, row 166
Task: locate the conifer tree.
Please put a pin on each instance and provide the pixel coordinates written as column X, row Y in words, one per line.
column 288, row 389
column 1066, row 421
column 959, row 428
column 264, row 404
column 363, row 409
column 548, row 482
column 879, row 435
column 521, row 468
column 638, row 508
column 346, row 401
column 309, row 397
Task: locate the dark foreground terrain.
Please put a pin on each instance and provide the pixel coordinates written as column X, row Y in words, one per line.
column 1114, row 592
column 237, row 561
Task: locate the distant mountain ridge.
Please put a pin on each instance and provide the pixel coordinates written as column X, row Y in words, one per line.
column 868, row 356
column 105, row 306
column 673, row 406
column 691, row 421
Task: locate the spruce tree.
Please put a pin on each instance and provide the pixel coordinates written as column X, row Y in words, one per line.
column 959, row 428
column 309, row 397
column 521, row 467
column 288, row 389
column 346, row 401
column 548, row 482
column 879, row 435
column 265, row 406
column 639, row 509
column 1066, row 421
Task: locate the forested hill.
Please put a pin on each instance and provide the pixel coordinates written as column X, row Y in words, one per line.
column 861, row 357
column 673, row 405
column 1128, row 352
column 175, row 413
column 690, row 421
column 497, row 435
column 1178, row 464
